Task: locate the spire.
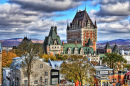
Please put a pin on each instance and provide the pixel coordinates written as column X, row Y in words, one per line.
column 107, row 46
column 85, row 6
column 95, row 24
column 89, row 42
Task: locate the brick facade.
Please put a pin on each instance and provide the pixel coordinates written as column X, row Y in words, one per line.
column 81, row 29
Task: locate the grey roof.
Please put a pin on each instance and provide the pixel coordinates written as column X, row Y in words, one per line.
column 55, row 64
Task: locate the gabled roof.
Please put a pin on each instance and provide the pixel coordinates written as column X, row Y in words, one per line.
column 115, row 49
column 55, row 64
column 89, row 42
column 107, row 46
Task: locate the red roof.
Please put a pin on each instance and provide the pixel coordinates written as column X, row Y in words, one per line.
column 128, row 73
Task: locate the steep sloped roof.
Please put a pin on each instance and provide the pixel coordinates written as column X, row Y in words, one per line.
column 107, row 46
column 89, row 42
column 115, row 49
column 82, row 16
column 49, row 40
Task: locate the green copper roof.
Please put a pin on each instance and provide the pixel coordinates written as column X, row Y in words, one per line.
column 89, row 42
column 115, row 49
column 87, row 50
column 52, row 37
column 107, row 46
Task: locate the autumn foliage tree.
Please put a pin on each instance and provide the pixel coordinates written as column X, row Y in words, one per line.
column 7, row 58
column 46, row 57
column 114, row 61
column 78, row 68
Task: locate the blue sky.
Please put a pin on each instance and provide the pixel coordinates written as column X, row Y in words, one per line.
column 34, row 18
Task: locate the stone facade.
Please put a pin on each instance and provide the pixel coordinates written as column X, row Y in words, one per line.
column 81, row 29
column 40, row 75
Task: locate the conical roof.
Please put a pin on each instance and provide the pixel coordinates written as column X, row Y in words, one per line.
column 107, row 46
column 115, row 49
column 89, row 42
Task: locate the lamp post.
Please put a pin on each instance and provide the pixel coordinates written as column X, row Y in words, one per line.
column 72, row 82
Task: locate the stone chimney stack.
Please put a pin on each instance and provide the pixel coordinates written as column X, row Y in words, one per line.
column 75, row 42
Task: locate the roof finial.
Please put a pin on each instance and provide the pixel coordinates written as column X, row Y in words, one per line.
column 85, row 6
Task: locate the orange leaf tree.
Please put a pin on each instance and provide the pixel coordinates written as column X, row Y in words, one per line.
column 7, row 58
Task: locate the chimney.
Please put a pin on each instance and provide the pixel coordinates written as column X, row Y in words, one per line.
column 62, row 42
column 75, row 42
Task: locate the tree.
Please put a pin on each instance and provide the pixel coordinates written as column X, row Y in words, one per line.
column 29, row 51
column 114, row 60
column 38, row 49
column 61, row 57
column 78, row 68
column 7, row 58
column 46, row 57
column 127, row 66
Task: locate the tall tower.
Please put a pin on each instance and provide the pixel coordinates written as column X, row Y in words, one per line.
column 108, row 48
column 81, row 29
column 0, row 64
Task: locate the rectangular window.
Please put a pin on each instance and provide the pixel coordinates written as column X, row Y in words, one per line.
column 41, row 65
column 46, row 81
column 36, row 82
column 25, row 82
column 46, row 73
column 31, row 65
column 25, row 75
column 54, row 81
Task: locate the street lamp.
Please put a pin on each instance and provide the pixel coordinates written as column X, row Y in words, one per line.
column 72, row 82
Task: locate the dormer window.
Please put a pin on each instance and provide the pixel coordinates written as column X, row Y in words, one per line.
column 55, row 42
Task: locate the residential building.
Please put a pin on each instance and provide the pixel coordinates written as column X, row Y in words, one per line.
column 126, row 55
column 102, row 75
column 127, row 79
column 40, row 72
column 81, row 29
column 106, row 76
column 0, row 64
column 6, row 76
column 56, row 77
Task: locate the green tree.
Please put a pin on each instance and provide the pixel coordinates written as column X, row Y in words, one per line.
column 127, row 66
column 77, row 68
column 29, row 51
column 114, row 60
column 61, row 57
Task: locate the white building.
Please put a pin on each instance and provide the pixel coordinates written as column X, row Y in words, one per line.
column 126, row 55
column 40, row 74
column 6, row 76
